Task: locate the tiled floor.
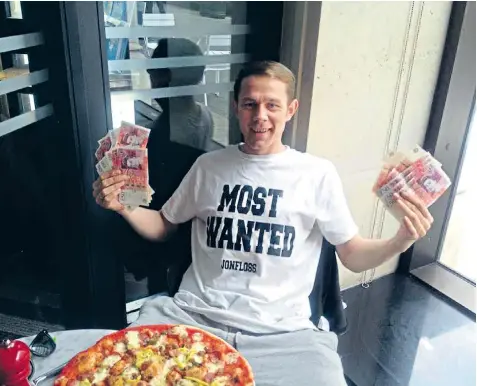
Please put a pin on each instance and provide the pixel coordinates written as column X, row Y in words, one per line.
column 401, row 333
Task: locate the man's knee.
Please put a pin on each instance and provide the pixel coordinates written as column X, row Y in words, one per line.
column 302, row 358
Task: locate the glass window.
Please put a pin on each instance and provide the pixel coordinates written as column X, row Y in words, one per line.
column 184, row 59
column 19, row 98
column 171, row 69
column 31, row 167
column 31, row 216
column 459, row 246
column 14, row 9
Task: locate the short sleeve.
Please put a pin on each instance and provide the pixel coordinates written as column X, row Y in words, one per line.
column 333, row 215
column 182, row 205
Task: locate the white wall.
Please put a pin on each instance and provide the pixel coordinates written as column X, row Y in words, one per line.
column 372, row 92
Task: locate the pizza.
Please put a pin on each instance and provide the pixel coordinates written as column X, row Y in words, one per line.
column 158, row 355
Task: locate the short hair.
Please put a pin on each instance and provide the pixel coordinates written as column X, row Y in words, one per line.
column 179, row 47
column 269, row 68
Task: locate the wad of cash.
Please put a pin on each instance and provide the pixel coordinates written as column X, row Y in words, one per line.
column 416, row 172
column 125, row 149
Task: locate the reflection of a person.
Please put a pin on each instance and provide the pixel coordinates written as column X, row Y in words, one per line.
column 178, row 137
column 189, row 123
column 160, row 5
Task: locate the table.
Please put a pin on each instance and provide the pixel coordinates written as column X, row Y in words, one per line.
column 68, row 344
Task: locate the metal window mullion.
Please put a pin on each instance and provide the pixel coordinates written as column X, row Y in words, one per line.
column 20, row 82
column 20, row 121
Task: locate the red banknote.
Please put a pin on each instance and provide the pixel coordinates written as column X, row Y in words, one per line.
column 105, row 144
column 125, row 149
column 415, row 172
column 133, row 136
column 131, row 161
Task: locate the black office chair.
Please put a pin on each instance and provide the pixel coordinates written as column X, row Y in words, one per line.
column 325, row 297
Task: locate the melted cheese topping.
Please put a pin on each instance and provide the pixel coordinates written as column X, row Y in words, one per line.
column 198, row 347
column 158, row 381
column 186, row 382
column 111, row 360
column 197, row 359
column 129, row 372
column 231, row 358
column 100, row 375
column 170, row 363
column 161, row 342
column 220, row 381
column 197, row 337
column 120, row 347
column 133, row 339
column 214, row 367
column 180, row 330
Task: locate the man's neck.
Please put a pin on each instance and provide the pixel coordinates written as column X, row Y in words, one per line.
column 275, row 149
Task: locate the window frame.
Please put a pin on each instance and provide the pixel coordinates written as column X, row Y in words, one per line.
column 451, row 114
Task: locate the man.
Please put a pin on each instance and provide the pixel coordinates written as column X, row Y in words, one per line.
column 260, row 211
column 183, row 120
column 179, row 135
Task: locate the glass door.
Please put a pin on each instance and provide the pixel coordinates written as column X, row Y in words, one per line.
column 36, row 168
column 168, row 66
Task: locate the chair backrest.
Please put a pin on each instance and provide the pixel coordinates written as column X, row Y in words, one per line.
column 158, row 20
column 325, row 297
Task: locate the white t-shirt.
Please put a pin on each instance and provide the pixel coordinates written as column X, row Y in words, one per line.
column 258, row 226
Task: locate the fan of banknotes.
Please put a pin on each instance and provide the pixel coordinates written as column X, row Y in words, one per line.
column 415, row 172
column 125, row 149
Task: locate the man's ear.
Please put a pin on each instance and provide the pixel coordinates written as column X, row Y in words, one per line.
column 292, row 109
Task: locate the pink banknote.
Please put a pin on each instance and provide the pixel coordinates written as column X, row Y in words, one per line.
column 133, row 136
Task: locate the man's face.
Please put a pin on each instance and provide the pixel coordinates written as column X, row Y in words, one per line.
column 263, row 110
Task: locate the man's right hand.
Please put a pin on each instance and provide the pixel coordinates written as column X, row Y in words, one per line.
column 107, row 188
column 150, row 224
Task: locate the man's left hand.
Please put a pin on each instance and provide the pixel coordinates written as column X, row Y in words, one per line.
column 416, row 222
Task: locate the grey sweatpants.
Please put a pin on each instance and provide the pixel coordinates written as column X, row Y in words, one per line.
column 301, row 358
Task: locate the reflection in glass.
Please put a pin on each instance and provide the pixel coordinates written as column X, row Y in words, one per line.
column 31, row 210
column 188, row 122
column 176, row 80
column 184, row 17
column 24, row 100
column 4, row 114
column 458, row 251
column 14, row 9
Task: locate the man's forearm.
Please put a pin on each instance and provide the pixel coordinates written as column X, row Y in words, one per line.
column 361, row 254
column 149, row 223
